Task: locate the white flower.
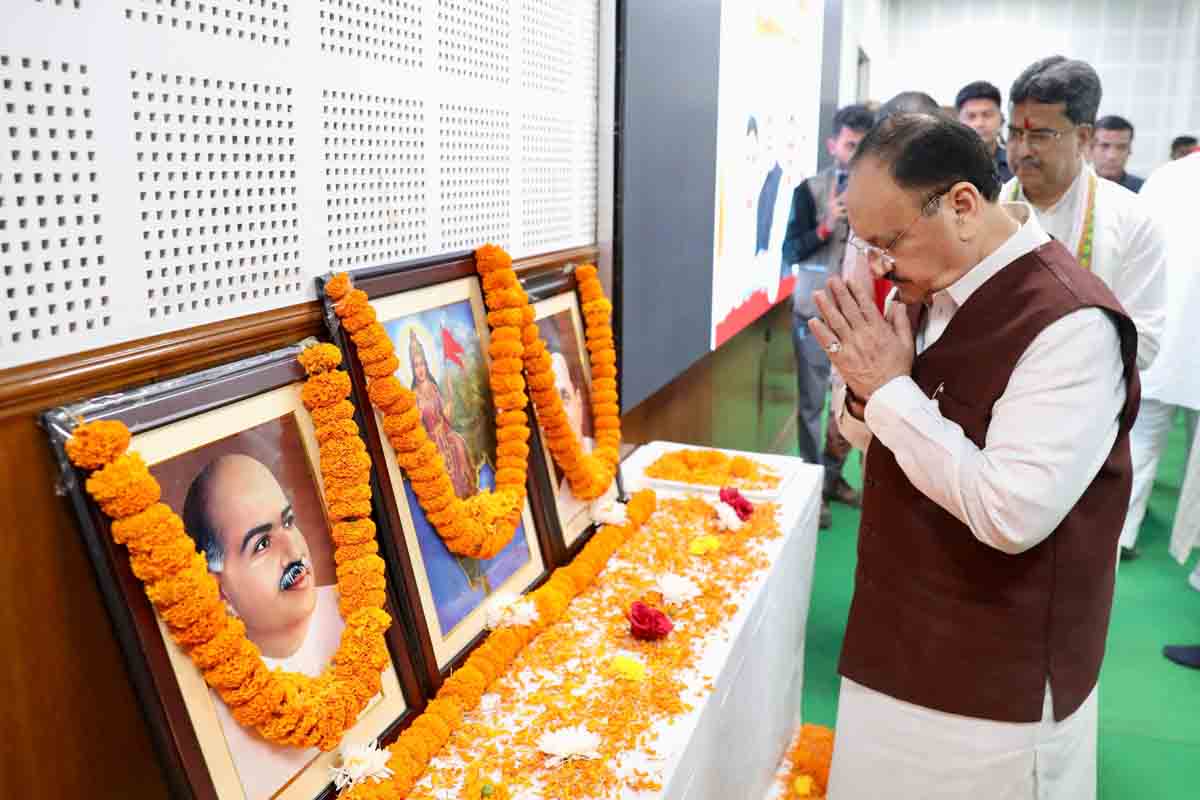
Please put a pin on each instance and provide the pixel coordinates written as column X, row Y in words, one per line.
column 522, row 612
column 506, row 608
column 566, row 744
column 489, row 702
column 727, row 518
column 360, row 762
column 608, row 513
column 497, row 608
column 677, row 590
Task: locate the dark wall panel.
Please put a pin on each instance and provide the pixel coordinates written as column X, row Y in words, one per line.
column 667, row 148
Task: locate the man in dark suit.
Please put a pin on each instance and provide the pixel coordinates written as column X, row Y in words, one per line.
column 1112, row 145
column 980, row 109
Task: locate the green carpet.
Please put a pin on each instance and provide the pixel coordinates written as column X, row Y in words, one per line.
column 1149, row 707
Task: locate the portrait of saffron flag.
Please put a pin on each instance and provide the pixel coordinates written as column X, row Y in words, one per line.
column 440, row 336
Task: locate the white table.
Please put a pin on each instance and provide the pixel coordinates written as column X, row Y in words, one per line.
column 731, row 743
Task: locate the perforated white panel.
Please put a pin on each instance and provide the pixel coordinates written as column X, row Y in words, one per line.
column 545, row 180
column 474, row 39
column 169, row 163
column 216, row 190
column 548, row 39
column 382, row 30
column 55, row 279
column 375, row 179
column 262, row 21
column 475, row 172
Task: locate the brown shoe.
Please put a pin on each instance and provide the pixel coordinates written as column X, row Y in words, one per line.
column 844, row 493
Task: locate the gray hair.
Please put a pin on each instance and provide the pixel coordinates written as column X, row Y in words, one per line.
column 1058, row 79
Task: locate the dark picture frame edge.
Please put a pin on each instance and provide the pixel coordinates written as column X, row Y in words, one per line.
column 130, row 611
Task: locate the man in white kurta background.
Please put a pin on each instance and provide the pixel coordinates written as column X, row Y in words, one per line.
column 1172, row 385
column 1054, row 106
column 994, row 486
column 1169, row 194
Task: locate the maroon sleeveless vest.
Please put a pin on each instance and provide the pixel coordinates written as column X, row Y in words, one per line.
column 945, row 621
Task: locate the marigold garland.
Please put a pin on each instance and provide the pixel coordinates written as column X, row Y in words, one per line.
column 589, row 474
column 482, row 525
column 429, row 732
column 284, row 707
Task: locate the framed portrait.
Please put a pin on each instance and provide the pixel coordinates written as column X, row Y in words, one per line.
column 235, row 453
column 436, row 319
column 561, row 324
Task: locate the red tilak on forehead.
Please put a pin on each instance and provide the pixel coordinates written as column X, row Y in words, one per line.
column 1028, row 124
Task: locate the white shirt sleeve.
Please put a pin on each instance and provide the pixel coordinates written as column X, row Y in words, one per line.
column 851, row 427
column 1141, row 281
column 1051, row 431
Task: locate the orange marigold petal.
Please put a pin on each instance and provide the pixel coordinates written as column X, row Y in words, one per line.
column 94, row 444
column 320, row 358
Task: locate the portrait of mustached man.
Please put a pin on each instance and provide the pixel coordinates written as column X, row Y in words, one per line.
column 243, row 522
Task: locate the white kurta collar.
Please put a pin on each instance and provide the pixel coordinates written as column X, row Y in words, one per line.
column 1028, row 237
column 1064, row 219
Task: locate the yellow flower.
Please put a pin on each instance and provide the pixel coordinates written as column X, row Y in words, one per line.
column 628, row 668
column 703, row 545
column 803, row 786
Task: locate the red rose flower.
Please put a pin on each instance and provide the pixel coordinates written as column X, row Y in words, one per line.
column 733, row 498
column 647, row 622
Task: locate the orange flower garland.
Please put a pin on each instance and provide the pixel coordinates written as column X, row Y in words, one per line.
column 411, row 753
column 589, row 474
column 284, row 707
column 482, row 525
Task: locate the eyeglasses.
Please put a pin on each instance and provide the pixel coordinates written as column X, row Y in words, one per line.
column 883, row 254
column 1037, row 139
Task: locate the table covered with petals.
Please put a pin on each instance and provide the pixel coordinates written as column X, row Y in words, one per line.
column 704, row 712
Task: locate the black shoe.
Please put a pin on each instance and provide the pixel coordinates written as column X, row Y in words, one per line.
column 1184, row 655
column 1129, row 553
column 844, row 493
column 826, row 521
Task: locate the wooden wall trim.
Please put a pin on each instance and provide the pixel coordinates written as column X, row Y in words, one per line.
column 574, row 255
column 29, row 389
column 35, row 387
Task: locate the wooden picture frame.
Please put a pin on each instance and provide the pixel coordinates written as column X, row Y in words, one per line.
column 419, row 304
column 247, row 414
column 560, row 319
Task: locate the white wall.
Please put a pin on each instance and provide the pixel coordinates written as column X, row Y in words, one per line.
column 864, row 25
column 1147, row 53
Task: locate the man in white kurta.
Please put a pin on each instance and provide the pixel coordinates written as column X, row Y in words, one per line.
column 1172, row 384
column 1098, row 220
column 1169, row 194
column 1052, row 430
